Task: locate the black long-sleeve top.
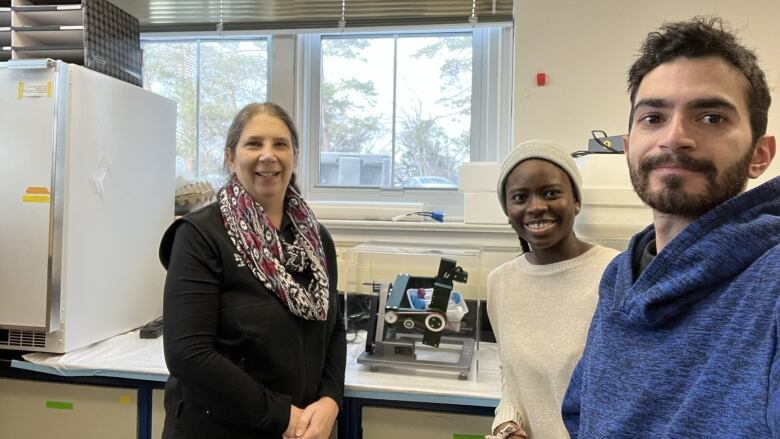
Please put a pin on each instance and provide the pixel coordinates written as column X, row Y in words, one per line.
column 238, row 358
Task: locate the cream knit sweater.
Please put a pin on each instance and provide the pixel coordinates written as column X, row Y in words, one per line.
column 540, row 315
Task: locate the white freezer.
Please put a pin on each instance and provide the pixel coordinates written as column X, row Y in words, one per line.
column 87, row 175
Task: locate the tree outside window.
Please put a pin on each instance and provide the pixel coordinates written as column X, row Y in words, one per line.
column 210, row 80
column 394, row 109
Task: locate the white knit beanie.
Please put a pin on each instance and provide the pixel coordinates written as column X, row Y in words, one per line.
column 539, row 149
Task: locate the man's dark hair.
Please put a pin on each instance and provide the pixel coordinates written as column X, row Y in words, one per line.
column 698, row 38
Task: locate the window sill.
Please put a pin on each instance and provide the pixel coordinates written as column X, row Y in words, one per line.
column 489, row 236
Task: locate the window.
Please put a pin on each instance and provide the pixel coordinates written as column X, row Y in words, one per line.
column 210, row 79
column 394, row 108
column 392, row 116
column 383, row 117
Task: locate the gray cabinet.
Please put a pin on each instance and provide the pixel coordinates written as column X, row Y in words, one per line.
column 92, row 33
column 35, row 409
column 5, row 30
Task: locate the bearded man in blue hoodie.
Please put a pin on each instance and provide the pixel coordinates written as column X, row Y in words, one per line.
column 684, row 341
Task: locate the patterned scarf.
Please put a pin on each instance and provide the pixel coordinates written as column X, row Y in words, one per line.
column 270, row 258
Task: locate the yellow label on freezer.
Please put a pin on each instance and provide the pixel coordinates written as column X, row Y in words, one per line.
column 35, row 198
column 125, row 400
column 35, row 90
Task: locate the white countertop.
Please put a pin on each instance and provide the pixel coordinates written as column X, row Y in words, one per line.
column 128, row 356
column 482, row 388
column 122, row 356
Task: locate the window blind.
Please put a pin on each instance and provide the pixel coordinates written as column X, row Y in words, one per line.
column 194, row 15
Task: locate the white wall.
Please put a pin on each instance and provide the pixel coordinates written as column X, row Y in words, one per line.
column 587, row 46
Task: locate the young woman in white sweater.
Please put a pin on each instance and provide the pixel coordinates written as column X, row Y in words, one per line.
column 540, row 304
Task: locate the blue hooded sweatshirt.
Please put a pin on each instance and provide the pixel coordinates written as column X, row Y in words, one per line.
column 689, row 349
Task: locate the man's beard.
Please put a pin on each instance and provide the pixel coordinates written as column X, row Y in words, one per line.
column 673, row 199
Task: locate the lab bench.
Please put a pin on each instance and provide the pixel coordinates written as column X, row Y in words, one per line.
column 117, row 384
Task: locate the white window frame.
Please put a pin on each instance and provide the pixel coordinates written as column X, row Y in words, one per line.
column 491, row 117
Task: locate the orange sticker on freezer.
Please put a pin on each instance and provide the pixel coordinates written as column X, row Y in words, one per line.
column 36, row 190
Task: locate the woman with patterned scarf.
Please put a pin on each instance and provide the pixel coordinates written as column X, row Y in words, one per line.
column 254, row 341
